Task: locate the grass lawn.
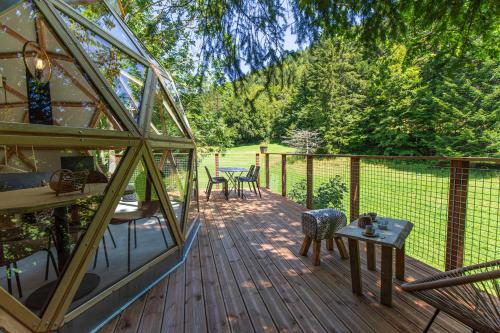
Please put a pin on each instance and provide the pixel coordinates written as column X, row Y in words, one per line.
column 415, row 191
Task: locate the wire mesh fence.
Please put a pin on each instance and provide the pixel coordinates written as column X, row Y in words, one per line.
column 454, row 205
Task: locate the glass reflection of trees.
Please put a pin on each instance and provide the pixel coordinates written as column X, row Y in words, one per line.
column 161, row 117
column 99, row 13
column 123, row 73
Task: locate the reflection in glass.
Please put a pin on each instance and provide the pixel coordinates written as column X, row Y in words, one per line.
column 67, row 99
column 169, row 83
column 138, row 233
column 41, row 228
column 174, row 166
column 163, row 115
column 125, row 75
column 97, row 12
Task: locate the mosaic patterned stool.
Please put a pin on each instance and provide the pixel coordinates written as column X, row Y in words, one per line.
column 321, row 224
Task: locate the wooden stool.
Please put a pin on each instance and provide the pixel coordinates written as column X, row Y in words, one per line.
column 321, row 224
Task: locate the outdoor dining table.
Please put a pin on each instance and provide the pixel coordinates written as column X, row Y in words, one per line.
column 232, row 173
column 392, row 238
column 39, row 198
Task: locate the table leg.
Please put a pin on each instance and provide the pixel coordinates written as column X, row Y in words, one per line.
column 61, row 235
column 355, row 266
column 400, row 264
column 386, row 276
column 370, row 256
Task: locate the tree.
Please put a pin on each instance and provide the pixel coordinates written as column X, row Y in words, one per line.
column 303, row 141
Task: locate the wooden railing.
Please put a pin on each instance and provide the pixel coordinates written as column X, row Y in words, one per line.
column 453, row 201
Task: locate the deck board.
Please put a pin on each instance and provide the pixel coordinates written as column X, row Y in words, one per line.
column 244, row 274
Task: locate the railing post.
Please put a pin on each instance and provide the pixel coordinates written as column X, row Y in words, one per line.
column 457, row 209
column 309, row 181
column 267, row 171
column 354, row 188
column 283, row 175
column 257, row 163
column 217, row 168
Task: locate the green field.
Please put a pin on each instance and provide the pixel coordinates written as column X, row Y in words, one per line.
column 416, row 191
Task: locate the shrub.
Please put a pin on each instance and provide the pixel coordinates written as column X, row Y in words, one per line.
column 328, row 195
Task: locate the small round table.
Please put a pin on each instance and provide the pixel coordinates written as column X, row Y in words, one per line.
column 232, row 173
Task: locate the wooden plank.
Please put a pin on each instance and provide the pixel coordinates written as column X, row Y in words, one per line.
column 152, row 318
column 131, row 317
column 370, row 256
column 400, row 264
column 194, row 317
column 110, row 326
column 239, row 320
column 217, row 320
column 173, row 313
column 355, row 266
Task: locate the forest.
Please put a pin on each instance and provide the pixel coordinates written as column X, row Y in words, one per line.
column 424, row 81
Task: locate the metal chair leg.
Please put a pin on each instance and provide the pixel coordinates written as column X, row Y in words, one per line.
column 95, row 257
column 429, row 324
column 210, row 184
column 112, row 238
column 18, row 280
column 105, row 251
column 8, row 274
column 128, row 247
column 162, row 231
column 135, row 234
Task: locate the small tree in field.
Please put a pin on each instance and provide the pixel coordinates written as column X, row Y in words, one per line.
column 302, row 140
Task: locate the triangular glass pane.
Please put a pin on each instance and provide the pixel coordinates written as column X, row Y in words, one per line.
column 164, row 120
column 45, row 211
column 98, row 12
column 138, row 233
column 169, row 83
column 125, row 75
column 67, row 99
column 175, row 166
column 194, row 205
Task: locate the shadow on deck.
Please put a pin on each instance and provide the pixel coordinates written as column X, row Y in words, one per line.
column 244, row 274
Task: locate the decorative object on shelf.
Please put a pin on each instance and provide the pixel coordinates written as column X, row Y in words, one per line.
column 364, row 220
column 37, row 62
column 382, row 224
column 372, row 215
column 66, row 181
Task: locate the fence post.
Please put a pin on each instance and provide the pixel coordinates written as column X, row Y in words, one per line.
column 217, row 168
column 354, row 188
column 283, row 175
column 309, row 181
column 257, row 163
column 457, row 209
column 267, row 171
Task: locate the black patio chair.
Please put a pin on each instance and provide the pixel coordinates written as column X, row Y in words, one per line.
column 216, row 180
column 251, row 179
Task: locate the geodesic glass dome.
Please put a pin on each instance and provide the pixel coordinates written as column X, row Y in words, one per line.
column 98, row 190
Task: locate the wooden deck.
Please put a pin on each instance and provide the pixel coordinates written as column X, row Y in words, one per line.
column 244, row 274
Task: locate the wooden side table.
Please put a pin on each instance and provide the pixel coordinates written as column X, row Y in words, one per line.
column 392, row 238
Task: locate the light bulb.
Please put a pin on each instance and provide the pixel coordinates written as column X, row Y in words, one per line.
column 39, row 64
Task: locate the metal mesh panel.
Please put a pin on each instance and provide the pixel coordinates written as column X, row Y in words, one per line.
column 296, row 178
column 274, row 173
column 327, row 168
column 415, row 191
column 482, row 223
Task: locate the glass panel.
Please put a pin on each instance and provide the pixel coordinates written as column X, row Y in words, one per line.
column 194, row 205
column 44, row 213
column 162, row 118
column 97, row 12
column 174, row 166
column 125, row 75
column 169, row 83
column 137, row 234
column 68, row 98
